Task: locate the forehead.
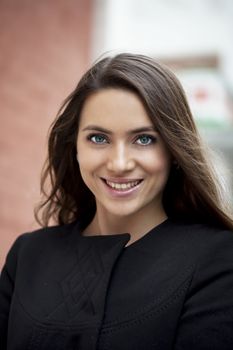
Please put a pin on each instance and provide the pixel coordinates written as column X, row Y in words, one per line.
column 114, row 108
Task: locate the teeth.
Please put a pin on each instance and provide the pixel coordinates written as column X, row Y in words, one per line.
column 122, row 186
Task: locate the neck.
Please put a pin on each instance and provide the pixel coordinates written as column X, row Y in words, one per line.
column 136, row 224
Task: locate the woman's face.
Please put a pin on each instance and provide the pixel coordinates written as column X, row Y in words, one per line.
column 122, row 158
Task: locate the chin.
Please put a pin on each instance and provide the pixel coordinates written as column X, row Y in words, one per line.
column 121, row 210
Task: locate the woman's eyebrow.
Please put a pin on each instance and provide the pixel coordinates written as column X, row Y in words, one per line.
column 142, row 129
column 96, row 128
column 132, row 131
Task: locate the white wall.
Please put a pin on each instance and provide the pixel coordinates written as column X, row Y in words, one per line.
column 166, row 28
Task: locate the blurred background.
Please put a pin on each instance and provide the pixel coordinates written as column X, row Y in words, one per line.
column 45, row 47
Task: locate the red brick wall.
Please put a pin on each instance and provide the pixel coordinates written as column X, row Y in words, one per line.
column 44, row 49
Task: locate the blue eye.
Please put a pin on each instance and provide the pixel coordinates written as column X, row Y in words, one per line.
column 145, row 140
column 98, row 138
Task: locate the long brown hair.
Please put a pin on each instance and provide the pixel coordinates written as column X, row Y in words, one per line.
column 192, row 190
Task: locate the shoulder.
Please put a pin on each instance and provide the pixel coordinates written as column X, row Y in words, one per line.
column 195, row 244
column 211, row 251
column 40, row 242
column 199, row 236
column 195, row 237
column 50, row 233
column 207, row 316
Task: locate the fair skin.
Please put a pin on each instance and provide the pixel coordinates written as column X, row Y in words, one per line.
column 124, row 163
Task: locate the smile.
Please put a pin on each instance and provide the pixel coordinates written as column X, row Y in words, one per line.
column 122, row 186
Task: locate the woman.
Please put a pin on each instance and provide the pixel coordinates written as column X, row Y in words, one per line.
column 141, row 256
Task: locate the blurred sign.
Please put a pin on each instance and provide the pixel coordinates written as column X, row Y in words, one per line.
column 207, row 96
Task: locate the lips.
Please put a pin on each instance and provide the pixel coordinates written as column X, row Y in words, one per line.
column 122, row 184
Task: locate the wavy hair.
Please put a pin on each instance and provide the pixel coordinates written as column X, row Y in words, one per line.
column 192, row 191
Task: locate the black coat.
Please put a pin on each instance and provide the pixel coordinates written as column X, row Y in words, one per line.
column 172, row 289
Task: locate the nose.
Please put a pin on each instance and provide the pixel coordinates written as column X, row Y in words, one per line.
column 120, row 159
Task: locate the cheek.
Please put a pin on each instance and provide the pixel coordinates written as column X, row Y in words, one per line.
column 86, row 170
column 89, row 161
column 155, row 163
column 86, row 162
column 84, row 155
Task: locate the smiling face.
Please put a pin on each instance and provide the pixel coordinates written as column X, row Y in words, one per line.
column 122, row 158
